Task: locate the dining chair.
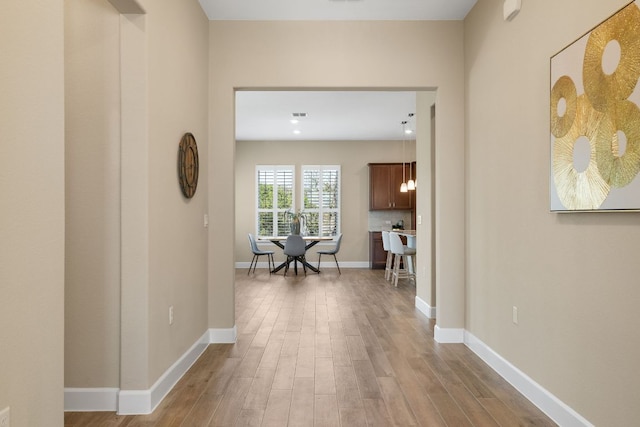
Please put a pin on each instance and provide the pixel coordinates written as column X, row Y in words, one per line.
column 257, row 253
column 387, row 247
column 295, row 249
column 401, row 253
column 333, row 251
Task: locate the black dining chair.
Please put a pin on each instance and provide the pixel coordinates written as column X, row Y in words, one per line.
column 295, row 249
column 333, row 251
column 257, row 252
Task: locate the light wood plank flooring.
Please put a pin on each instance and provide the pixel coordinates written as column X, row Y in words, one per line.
column 332, row 350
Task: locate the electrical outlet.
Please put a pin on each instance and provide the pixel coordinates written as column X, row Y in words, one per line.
column 515, row 314
column 5, row 417
column 170, row 316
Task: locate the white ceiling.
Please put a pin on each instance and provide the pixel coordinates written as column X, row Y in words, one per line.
column 330, row 115
column 337, row 10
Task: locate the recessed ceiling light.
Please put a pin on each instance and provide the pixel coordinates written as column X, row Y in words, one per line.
column 294, row 121
column 296, row 131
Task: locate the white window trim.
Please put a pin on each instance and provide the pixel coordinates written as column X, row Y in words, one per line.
column 275, row 210
column 322, row 168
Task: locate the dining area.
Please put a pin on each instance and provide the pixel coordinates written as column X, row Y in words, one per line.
column 294, row 248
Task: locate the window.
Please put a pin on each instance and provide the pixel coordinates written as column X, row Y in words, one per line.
column 321, row 199
column 275, row 191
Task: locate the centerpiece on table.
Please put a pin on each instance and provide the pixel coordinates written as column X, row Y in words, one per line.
column 296, row 220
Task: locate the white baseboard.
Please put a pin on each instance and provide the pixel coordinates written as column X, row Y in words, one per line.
column 330, row 263
column 425, row 308
column 133, row 402
column 448, row 335
column 555, row 409
column 136, row 402
column 223, row 336
column 90, row 399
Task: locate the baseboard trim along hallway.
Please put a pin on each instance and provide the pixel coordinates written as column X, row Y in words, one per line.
column 90, row 399
column 425, row 308
column 138, row 402
column 553, row 407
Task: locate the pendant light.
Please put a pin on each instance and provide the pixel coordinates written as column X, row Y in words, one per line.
column 411, row 184
column 403, row 186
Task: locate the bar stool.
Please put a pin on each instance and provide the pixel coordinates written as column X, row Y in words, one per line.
column 387, row 247
column 401, row 252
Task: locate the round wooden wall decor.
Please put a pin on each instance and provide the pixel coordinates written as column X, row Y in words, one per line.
column 188, row 165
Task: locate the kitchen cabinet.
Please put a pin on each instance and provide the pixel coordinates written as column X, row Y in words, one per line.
column 384, row 187
column 377, row 254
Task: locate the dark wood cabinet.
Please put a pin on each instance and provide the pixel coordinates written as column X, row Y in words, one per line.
column 377, row 254
column 384, row 187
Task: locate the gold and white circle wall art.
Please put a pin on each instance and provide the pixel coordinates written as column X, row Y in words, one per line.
column 595, row 118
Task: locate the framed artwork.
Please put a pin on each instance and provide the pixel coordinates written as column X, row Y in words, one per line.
column 595, row 118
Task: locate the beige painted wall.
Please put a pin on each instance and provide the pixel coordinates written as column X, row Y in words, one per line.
column 399, row 55
column 32, row 213
column 352, row 156
column 137, row 84
column 425, row 200
column 178, row 103
column 573, row 277
column 92, row 160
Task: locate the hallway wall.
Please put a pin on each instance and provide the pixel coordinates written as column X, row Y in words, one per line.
column 92, row 202
column 391, row 55
column 136, row 245
column 32, row 212
column 573, row 276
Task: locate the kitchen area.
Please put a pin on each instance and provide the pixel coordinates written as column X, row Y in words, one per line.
column 392, row 189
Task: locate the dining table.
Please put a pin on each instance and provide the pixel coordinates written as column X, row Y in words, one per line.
column 310, row 241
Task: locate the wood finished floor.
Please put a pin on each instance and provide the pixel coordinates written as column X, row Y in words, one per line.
column 330, row 350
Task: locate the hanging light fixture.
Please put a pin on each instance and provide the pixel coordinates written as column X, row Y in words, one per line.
column 403, row 186
column 411, row 184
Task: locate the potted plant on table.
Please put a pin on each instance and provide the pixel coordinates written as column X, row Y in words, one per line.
column 296, row 220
